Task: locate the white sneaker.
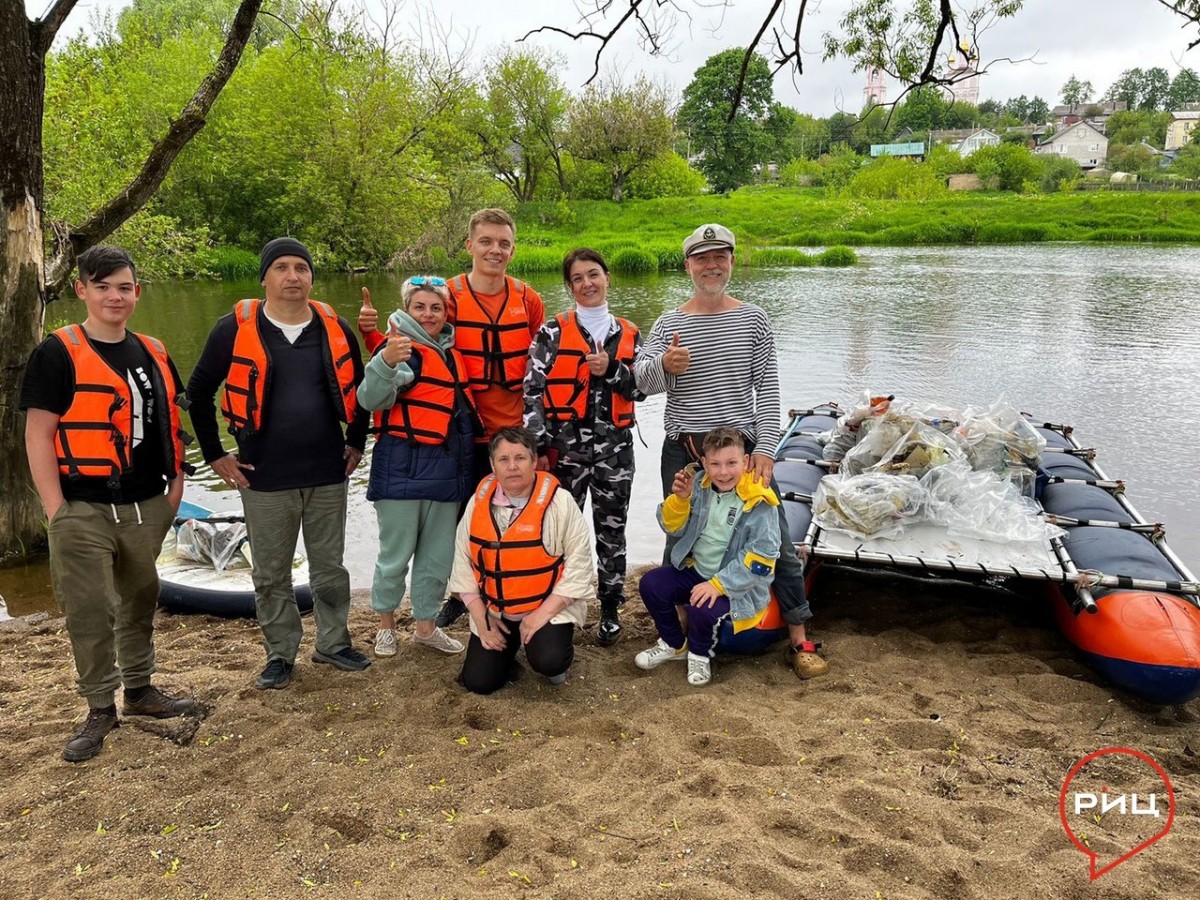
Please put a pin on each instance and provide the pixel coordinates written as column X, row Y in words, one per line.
column 661, row 652
column 385, row 642
column 699, row 670
column 439, row 640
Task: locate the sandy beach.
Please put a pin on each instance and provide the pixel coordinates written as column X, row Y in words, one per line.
column 928, row 763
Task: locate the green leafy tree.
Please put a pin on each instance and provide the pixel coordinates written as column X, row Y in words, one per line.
column 27, row 279
column 1137, row 158
column 1075, row 92
column 781, row 127
column 839, row 165
column 890, row 178
column 1039, row 112
column 1129, row 87
column 1019, row 108
column 1005, row 167
column 1187, row 162
column 725, row 125
column 1125, row 127
column 1185, row 88
column 924, row 109
column 623, row 127
column 1155, row 89
column 522, row 120
column 1056, row 173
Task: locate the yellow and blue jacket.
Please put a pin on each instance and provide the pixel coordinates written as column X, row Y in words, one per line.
column 748, row 566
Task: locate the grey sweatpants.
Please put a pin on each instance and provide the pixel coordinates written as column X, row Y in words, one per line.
column 274, row 520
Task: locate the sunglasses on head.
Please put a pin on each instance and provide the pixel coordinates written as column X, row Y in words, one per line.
column 418, row 280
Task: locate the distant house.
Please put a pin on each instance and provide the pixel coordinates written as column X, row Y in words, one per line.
column 1180, row 128
column 950, row 135
column 1082, row 142
column 1096, row 113
column 981, row 137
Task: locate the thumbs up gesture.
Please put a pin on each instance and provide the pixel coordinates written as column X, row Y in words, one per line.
column 597, row 360
column 398, row 348
column 368, row 316
column 676, row 358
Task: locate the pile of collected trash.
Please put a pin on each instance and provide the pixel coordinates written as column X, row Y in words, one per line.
column 221, row 544
column 973, row 471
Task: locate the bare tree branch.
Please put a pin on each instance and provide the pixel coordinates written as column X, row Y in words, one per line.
column 47, row 28
column 113, row 214
column 1189, row 10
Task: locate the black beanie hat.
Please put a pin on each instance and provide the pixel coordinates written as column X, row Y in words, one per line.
column 284, row 246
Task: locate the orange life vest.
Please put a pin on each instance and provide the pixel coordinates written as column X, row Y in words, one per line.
column 569, row 379
column 250, row 368
column 95, row 435
column 495, row 350
column 513, row 569
column 423, row 412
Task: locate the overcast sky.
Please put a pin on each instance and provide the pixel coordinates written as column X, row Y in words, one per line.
column 1092, row 39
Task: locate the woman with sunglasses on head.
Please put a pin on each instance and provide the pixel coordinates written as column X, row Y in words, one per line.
column 579, row 397
column 424, row 425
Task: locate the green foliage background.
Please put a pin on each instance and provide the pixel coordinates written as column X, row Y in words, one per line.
column 375, row 152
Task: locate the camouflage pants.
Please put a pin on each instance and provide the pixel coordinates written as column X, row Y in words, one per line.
column 610, row 482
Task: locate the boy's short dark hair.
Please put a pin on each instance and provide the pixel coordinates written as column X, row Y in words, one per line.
column 720, row 438
column 98, row 263
column 582, row 254
column 514, row 434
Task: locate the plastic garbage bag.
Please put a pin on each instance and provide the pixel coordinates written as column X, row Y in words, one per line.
column 845, row 433
column 982, row 505
column 868, row 506
column 998, row 437
column 917, row 451
column 209, row 542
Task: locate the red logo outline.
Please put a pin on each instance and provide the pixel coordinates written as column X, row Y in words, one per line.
column 1091, row 854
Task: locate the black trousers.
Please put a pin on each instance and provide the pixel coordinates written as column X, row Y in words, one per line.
column 550, row 652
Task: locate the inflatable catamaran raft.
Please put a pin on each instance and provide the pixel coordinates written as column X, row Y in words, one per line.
column 893, row 485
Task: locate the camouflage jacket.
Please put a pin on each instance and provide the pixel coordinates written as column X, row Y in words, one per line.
column 594, row 436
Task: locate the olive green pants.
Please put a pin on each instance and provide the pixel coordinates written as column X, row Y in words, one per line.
column 274, row 520
column 102, row 567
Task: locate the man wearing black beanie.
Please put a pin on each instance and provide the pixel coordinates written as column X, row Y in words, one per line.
column 290, row 366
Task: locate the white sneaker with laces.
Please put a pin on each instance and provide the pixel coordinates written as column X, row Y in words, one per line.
column 385, row 642
column 439, row 640
column 699, row 670
column 661, row 652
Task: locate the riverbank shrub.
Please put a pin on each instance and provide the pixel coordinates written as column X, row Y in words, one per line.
column 890, row 178
column 233, row 262
column 775, row 256
column 530, row 261
column 838, row 256
column 634, row 261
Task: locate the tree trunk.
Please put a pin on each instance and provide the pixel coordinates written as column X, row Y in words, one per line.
column 22, row 285
column 23, row 268
column 618, row 183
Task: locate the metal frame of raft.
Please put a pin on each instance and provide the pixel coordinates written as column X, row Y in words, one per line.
column 1143, row 631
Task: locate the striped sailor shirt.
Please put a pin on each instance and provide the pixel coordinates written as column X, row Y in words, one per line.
column 733, row 377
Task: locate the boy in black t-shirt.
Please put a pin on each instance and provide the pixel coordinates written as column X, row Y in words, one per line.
column 104, row 441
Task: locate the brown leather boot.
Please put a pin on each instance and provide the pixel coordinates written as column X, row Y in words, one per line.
column 88, row 739
column 154, row 702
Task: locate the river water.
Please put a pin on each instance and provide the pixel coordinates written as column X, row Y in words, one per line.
column 1103, row 338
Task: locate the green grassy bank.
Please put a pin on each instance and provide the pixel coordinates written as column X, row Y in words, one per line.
column 787, row 218
column 773, row 223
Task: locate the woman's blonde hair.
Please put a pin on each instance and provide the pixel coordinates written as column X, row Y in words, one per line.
column 431, row 283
